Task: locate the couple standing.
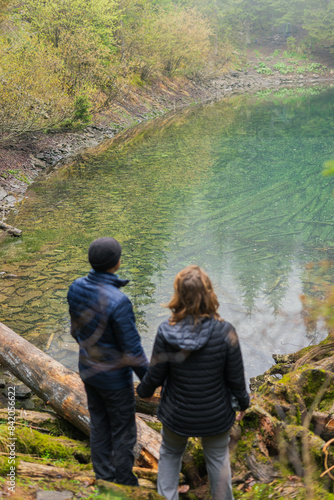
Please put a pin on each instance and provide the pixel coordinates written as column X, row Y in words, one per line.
column 196, row 359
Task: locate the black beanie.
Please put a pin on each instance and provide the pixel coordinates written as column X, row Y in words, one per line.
column 104, row 253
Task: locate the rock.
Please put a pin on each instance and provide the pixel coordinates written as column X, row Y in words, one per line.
column 27, row 404
column 54, row 495
column 10, row 200
column 145, row 483
column 3, row 193
column 22, row 391
column 129, row 492
column 37, row 162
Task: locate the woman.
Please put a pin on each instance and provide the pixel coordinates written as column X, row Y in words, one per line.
column 197, row 360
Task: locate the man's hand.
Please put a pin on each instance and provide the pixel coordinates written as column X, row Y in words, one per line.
column 240, row 416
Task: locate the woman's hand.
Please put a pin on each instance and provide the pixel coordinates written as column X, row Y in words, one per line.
column 240, row 416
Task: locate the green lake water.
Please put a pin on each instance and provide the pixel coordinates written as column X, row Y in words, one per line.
column 235, row 187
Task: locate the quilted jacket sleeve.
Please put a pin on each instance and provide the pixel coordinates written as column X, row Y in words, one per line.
column 158, row 369
column 127, row 336
column 234, row 370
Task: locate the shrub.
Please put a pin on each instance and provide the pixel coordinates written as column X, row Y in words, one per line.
column 31, row 89
column 263, row 69
column 291, row 45
column 169, row 41
column 81, row 109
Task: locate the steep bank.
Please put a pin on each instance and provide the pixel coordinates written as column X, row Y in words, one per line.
column 23, row 160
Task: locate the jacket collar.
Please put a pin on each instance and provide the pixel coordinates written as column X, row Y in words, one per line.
column 102, row 277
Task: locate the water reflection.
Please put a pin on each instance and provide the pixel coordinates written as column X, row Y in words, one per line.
column 235, row 187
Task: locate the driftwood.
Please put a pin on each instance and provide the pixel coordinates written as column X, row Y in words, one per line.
column 41, row 471
column 33, row 417
column 34, row 470
column 265, row 473
column 13, row 231
column 63, row 389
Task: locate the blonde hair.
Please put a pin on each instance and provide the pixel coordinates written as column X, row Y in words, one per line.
column 193, row 295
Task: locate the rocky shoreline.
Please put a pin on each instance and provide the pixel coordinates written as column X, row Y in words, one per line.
column 23, row 161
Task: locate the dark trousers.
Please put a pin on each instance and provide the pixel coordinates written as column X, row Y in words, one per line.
column 113, row 433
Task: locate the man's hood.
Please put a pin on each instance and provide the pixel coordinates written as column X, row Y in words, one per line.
column 187, row 334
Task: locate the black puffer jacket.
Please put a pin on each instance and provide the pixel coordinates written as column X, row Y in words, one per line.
column 199, row 367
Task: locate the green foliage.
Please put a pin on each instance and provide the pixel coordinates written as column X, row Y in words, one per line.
column 329, row 168
column 283, row 68
column 263, row 69
column 82, row 34
column 318, row 20
column 291, row 44
column 55, row 51
column 280, row 66
column 35, row 443
column 31, row 91
column 311, row 68
column 18, row 175
column 174, row 41
column 137, row 81
column 55, row 19
column 244, row 20
column 81, row 109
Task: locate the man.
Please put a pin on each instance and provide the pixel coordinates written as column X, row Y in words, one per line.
column 103, row 324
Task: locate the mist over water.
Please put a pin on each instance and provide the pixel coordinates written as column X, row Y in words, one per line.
column 235, row 187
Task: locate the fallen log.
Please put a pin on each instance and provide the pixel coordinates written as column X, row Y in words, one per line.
column 41, row 471
column 33, row 417
column 37, row 471
column 63, row 389
column 13, row 231
column 148, row 407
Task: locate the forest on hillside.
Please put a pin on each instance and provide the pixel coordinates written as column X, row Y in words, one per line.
column 62, row 60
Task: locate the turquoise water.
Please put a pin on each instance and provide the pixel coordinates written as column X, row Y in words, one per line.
column 234, row 186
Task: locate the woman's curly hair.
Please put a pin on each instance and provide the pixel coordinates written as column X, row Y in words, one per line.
column 193, row 296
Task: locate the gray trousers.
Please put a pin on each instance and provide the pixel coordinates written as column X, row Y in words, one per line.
column 217, row 461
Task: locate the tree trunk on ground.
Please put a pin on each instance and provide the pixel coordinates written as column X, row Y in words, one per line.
column 13, row 231
column 62, row 389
